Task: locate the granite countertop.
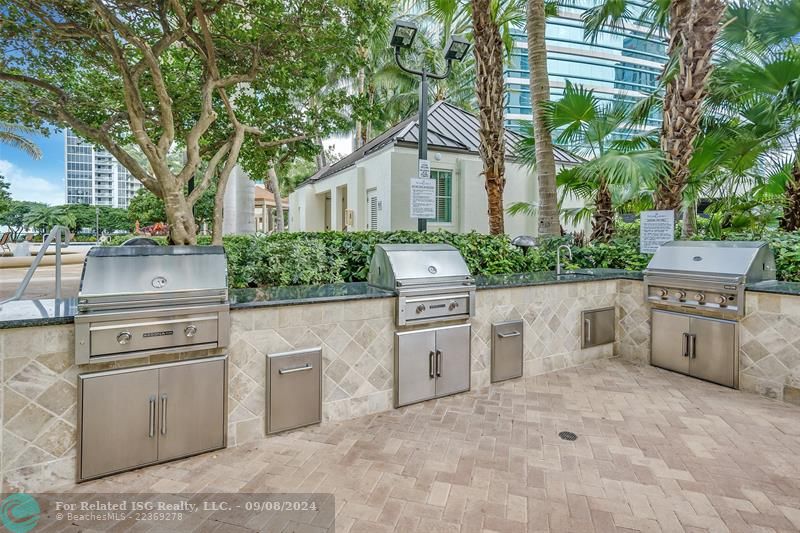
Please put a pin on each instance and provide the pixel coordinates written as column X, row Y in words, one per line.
column 25, row 313
column 776, row 287
column 304, row 294
column 499, row 281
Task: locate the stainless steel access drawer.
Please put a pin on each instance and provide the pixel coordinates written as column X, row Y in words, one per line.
column 506, row 350
column 294, row 389
column 598, row 327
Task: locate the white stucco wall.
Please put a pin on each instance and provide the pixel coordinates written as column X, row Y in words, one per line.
column 389, row 171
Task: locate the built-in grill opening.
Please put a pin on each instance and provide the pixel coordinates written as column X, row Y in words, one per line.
column 140, row 300
column 432, row 281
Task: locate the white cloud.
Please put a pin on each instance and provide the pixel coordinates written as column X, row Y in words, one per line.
column 23, row 186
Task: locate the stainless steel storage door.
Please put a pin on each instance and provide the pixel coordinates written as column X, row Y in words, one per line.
column 506, row 350
column 669, row 339
column 294, row 389
column 118, row 420
column 191, row 409
column 598, row 327
column 452, row 359
column 713, row 351
column 415, row 366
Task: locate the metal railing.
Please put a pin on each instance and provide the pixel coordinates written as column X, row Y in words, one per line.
column 59, row 235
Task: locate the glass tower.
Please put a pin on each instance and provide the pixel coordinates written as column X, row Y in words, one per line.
column 622, row 64
column 93, row 176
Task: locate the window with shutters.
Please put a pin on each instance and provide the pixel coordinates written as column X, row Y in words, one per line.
column 372, row 209
column 444, row 195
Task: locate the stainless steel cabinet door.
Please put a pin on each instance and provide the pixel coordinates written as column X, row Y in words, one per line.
column 191, row 408
column 713, row 351
column 415, row 366
column 452, row 359
column 294, row 389
column 669, row 341
column 117, row 421
column 506, row 350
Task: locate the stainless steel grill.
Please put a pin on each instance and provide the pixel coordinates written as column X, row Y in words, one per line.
column 139, row 300
column 709, row 275
column 432, row 281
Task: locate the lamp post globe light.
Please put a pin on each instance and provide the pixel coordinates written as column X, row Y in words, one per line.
column 457, row 47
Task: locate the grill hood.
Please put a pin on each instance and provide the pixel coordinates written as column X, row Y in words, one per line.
column 136, row 275
column 745, row 261
column 402, row 265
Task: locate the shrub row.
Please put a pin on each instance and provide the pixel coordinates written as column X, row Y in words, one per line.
column 331, row 257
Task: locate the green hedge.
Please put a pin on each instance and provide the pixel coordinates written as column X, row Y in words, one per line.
column 330, row 257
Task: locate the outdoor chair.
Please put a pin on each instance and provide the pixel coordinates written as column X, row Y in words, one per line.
column 4, row 240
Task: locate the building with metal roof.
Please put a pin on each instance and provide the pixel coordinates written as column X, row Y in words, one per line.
column 369, row 189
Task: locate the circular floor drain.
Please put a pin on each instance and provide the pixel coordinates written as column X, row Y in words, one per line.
column 568, row 435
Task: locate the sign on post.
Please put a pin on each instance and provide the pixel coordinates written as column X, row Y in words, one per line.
column 423, row 198
column 655, row 229
column 424, row 169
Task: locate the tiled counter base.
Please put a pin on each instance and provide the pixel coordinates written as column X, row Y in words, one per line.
column 39, row 390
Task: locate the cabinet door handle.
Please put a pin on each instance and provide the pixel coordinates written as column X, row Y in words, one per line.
column 685, row 345
column 693, row 343
column 431, row 363
column 306, row 366
column 164, row 414
column 509, row 334
column 587, row 328
column 438, row 362
column 152, row 420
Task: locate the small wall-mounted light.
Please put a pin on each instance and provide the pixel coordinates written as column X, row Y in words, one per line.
column 403, row 34
column 457, row 48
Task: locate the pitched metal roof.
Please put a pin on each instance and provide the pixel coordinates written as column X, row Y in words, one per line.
column 449, row 128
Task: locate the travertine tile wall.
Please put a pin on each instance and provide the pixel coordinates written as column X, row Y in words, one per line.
column 633, row 326
column 769, row 342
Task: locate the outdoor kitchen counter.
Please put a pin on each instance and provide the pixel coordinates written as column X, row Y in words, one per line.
column 304, row 294
column 791, row 288
column 526, row 279
column 27, row 313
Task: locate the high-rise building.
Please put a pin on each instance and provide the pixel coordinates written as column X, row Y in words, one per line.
column 93, row 176
column 622, row 64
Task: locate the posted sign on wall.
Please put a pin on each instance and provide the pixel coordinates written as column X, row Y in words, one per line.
column 657, row 227
column 423, row 198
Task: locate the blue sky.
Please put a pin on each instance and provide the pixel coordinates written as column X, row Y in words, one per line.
column 40, row 181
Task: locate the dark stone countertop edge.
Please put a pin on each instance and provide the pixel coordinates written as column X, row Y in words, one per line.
column 789, row 288
column 33, row 322
column 308, row 300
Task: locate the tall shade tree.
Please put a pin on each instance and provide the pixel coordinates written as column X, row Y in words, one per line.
column 489, row 86
column 540, row 95
column 158, row 74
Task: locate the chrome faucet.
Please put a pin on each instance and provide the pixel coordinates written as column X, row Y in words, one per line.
column 558, row 257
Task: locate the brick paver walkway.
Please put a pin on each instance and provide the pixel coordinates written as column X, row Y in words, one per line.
column 655, row 452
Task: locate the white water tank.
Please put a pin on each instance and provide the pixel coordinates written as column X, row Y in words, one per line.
column 239, row 204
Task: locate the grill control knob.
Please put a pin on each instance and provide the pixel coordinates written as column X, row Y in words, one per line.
column 452, row 305
column 420, row 308
column 721, row 300
column 681, row 295
column 700, row 297
column 663, row 293
column 190, row 330
column 124, row 337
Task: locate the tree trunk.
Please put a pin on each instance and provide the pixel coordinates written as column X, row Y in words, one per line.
column 540, row 93
column 182, row 227
column 689, row 224
column 275, row 188
column 790, row 221
column 603, row 217
column 693, row 28
column 322, row 160
column 489, row 87
column 358, row 140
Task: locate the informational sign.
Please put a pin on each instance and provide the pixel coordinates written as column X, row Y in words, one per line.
column 424, row 169
column 423, row 198
column 656, row 228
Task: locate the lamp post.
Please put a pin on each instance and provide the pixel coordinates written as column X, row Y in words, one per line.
column 402, row 38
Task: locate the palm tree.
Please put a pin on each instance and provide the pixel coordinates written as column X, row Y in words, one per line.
column 619, row 173
column 540, row 95
column 44, row 217
column 14, row 135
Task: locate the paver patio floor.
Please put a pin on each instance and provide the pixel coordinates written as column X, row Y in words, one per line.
column 655, row 452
